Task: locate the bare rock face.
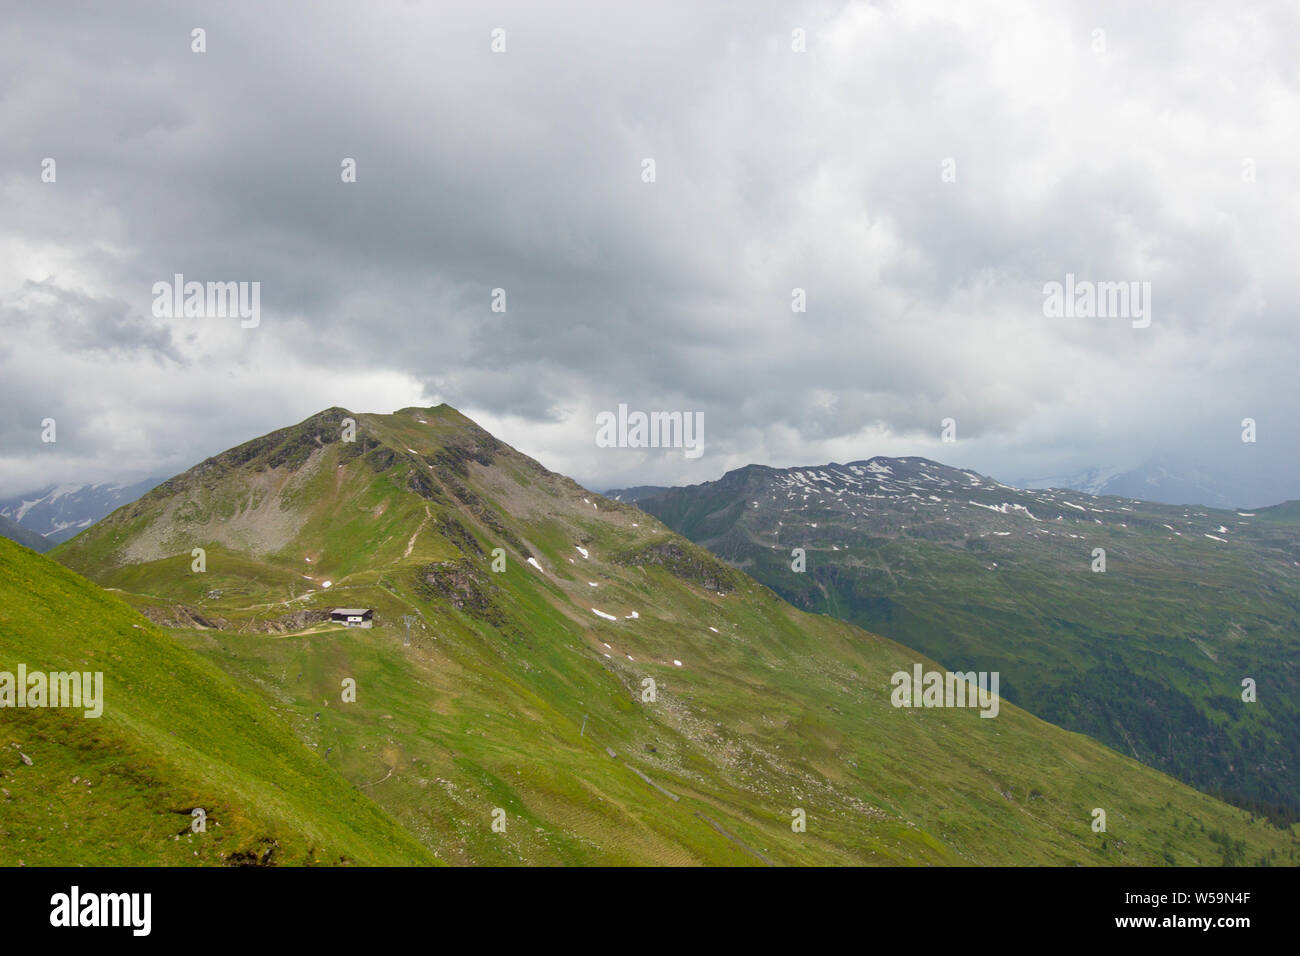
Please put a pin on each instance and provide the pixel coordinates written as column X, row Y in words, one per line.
column 694, row 565
column 296, row 621
column 459, row 583
column 181, row 615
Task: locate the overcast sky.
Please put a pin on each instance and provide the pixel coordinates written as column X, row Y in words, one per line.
column 921, row 169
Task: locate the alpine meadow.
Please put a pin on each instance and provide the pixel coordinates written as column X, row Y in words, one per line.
column 443, row 440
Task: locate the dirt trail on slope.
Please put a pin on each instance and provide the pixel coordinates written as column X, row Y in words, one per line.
column 411, row 544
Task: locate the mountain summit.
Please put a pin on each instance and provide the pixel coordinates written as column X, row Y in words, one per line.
column 555, row 677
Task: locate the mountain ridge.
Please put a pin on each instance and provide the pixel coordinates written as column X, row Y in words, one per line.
column 24, row 536
column 59, row 512
column 1169, row 483
column 610, row 689
column 979, row 573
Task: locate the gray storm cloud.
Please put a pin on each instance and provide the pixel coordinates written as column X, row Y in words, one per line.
column 920, row 170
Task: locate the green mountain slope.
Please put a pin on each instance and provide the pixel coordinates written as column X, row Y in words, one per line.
column 176, row 733
column 523, row 694
column 1147, row 656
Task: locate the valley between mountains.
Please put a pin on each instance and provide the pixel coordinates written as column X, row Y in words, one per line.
column 553, row 678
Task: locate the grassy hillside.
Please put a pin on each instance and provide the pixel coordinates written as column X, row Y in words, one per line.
column 525, row 691
column 176, row 733
column 1147, row 656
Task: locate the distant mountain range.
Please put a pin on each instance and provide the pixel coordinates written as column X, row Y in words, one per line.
column 1175, row 485
column 59, row 512
column 24, row 536
column 1146, row 652
column 632, row 495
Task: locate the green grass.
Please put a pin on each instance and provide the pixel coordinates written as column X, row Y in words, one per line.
column 176, row 733
column 772, row 710
column 1147, row 657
